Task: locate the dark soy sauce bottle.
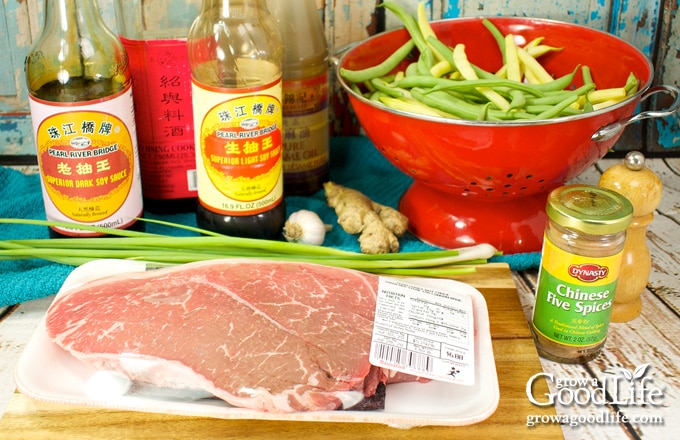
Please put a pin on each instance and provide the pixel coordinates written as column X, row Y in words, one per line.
column 80, row 96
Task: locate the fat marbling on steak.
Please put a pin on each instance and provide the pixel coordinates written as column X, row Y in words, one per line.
column 273, row 336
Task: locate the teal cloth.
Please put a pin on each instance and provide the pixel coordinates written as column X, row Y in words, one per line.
column 356, row 163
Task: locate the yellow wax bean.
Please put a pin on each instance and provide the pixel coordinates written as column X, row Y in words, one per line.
column 531, row 77
column 412, row 106
column 542, row 49
column 441, row 69
column 604, row 104
column 615, row 93
column 463, row 65
column 532, row 64
column 461, row 62
column 512, row 59
column 426, row 29
column 533, row 43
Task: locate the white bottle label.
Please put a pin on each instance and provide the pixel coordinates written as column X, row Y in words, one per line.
column 424, row 330
column 89, row 165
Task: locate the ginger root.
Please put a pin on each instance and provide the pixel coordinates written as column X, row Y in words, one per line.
column 379, row 226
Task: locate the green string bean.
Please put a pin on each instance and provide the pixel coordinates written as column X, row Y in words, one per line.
column 557, row 97
column 410, row 23
column 382, row 69
column 557, row 109
column 518, row 99
column 442, row 49
column 497, row 35
column 425, row 61
column 386, row 89
column 411, row 70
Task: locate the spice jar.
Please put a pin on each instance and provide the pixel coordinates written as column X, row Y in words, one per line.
column 580, row 263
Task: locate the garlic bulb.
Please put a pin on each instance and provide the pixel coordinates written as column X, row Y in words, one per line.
column 306, row 227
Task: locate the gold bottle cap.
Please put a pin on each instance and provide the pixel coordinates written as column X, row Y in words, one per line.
column 589, row 209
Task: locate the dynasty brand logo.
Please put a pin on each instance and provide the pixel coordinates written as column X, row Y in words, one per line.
column 622, row 387
column 588, row 272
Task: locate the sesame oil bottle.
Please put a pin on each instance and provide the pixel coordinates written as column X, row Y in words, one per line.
column 305, row 96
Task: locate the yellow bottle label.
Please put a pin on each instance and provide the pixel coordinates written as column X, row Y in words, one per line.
column 88, row 161
column 574, row 296
column 239, row 162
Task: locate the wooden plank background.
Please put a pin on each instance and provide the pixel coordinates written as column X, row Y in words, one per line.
column 652, row 26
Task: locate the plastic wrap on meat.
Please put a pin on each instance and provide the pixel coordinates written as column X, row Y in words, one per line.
column 272, row 336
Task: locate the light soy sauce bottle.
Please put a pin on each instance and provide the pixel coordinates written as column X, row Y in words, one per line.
column 81, row 103
column 236, row 58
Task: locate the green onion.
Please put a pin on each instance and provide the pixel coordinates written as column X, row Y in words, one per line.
column 163, row 250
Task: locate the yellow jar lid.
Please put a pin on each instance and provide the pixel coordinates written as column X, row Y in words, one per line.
column 589, row 209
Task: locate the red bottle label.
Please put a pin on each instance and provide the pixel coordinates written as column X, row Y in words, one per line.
column 161, row 80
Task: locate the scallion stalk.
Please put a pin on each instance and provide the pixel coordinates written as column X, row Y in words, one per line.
column 162, row 250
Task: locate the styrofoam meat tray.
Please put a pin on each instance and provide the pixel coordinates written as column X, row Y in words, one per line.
column 48, row 373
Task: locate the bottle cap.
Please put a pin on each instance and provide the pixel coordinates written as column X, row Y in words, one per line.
column 589, row 209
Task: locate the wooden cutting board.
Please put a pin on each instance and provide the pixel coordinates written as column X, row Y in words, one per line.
column 516, row 362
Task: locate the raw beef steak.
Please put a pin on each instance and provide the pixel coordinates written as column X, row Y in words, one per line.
column 274, row 336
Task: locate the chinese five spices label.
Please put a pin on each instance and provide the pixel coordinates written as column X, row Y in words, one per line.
column 239, row 164
column 576, row 294
column 580, row 265
column 88, row 161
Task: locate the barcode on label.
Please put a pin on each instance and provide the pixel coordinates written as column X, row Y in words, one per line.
column 192, row 180
column 404, row 358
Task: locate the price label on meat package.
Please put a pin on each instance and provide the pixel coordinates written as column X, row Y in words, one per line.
column 424, row 331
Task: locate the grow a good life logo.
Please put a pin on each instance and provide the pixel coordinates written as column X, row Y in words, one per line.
column 627, row 388
column 621, row 388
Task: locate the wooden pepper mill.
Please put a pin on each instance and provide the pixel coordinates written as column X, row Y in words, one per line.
column 643, row 188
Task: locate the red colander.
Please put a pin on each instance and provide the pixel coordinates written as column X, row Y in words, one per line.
column 487, row 182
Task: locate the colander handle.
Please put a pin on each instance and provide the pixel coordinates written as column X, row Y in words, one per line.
column 336, row 54
column 612, row 130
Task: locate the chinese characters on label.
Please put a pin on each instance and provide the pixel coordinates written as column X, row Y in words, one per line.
column 164, row 114
column 88, row 162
